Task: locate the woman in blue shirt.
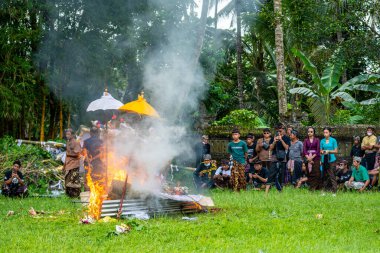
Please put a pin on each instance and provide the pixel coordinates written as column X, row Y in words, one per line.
column 329, row 147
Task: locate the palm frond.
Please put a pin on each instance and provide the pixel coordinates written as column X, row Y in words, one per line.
column 367, row 87
column 317, row 108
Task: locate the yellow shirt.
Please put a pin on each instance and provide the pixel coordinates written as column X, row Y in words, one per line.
column 369, row 141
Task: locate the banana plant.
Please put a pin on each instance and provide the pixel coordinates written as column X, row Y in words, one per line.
column 326, row 92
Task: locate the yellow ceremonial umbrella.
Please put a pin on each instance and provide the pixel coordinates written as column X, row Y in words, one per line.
column 140, row 106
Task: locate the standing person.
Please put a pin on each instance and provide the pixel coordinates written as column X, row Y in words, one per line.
column 368, row 145
column 14, row 184
column 279, row 147
column 262, row 148
column 201, row 149
column 238, row 150
column 311, row 152
column 356, row 149
column 295, row 157
column 252, row 155
column 359, row 179
column 94, row 147
column 72, row 163
column 329, row 147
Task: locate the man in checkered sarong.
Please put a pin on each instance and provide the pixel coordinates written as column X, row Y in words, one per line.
column 238, row 151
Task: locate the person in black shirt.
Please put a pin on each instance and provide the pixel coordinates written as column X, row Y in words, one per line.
column 258, row 176
column 14, row 184
column 343, row 173
column 252, row 154
column 279, row 146
column 201, row 149
column 204, row 173
column 356, row 149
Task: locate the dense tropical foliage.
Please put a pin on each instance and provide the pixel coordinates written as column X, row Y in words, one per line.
column 53, row 52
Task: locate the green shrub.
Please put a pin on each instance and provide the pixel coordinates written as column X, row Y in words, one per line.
column 241, row 118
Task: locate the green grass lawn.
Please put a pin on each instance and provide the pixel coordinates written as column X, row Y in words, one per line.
column 248, row 222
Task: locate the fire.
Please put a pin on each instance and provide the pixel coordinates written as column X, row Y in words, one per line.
column 97, row 195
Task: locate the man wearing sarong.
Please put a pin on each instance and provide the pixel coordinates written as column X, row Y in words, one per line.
column 238, row 150
column 71, row 167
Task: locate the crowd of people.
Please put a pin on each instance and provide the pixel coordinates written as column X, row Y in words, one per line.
column 278, row 160
column 283, row 159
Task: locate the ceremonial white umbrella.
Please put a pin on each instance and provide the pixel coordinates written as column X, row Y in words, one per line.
column 106, row 102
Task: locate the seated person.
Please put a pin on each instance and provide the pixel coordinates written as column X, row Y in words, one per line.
column 303, row 180
column 204, row 173
column 259, row 175
column 222, row 175
column 14, row 185
column 343, row 173
column 359, row 179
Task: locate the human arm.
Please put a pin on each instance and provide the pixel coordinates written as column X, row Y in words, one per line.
column 364, row 186
column 264, row 180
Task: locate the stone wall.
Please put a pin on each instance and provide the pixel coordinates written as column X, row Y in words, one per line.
column 221, row 135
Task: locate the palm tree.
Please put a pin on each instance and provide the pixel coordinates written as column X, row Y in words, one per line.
column 280, row 64
column 326, row 91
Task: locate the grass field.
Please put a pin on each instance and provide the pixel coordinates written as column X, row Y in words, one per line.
column 248, row 222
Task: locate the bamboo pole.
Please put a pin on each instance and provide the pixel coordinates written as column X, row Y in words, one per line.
column 42, row 130
column 60, row 119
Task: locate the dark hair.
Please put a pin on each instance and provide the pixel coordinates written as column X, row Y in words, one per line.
column 235, row 131
column 372, row 128
column 250, row 135
column 279, row 126
column 69, row 130
column 224, row 162
column 328, row 129
column 295, row 132
column 311, row 128
column 17, row 162
column 266, row 130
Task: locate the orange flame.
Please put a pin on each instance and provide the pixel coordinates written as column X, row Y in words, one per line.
column 97, row 195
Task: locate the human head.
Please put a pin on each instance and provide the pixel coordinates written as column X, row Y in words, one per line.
column 235, row 134
column 16, row 165
column 69, row 133
column 250, row 138
column 310, row 131
column 327, row 132
column 356, row 161
column 225, row 164
column 266, row 132
column 370, row 130
column 356, row 140
column 205, row 138
column 257, row 164
column 207, row 159
column 280, row 128
column 289, row 130
column 294, row 135
column 343, row 164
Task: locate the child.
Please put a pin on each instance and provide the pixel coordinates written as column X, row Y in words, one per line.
column 238, row 150
column 222, row 175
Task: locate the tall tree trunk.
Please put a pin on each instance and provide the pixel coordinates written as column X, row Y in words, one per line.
column 68, row 118
column 201, row 30
column 42, row 129
column 239, row 51
column 279, row 41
